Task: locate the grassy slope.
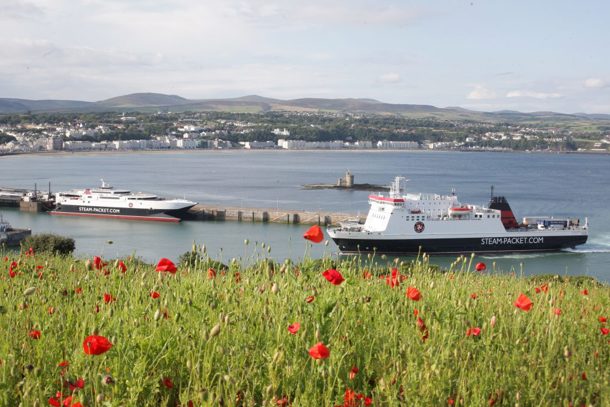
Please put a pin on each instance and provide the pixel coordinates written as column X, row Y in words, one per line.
column 527, row 358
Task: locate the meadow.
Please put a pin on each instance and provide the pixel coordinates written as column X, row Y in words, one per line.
column 324, row 332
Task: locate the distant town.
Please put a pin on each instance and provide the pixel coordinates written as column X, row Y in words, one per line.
column 115, row 131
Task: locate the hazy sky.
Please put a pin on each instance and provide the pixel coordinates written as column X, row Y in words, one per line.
column 485, row 55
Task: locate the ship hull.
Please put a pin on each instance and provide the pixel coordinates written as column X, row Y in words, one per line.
column 152, row 215
column 459, row 245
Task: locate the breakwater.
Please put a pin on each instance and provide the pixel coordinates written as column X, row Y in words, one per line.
column 269, row 215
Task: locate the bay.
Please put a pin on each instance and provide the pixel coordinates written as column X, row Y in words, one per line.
column 574, row 185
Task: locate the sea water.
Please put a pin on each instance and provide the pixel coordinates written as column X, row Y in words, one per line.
column 572, row 185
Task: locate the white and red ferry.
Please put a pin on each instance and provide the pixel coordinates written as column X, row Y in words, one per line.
column 404, row 223
column 107, row 202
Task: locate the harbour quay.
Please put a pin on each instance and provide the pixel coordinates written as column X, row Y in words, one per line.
column 268, row 215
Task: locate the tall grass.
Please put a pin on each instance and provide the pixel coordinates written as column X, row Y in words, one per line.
column 224, row 340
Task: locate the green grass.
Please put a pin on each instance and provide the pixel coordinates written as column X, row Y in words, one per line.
column 224, row 341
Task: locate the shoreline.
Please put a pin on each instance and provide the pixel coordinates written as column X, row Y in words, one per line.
column 255, row 151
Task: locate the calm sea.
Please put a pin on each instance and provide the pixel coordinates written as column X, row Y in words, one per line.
column 535, row 184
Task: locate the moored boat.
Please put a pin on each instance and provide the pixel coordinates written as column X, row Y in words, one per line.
column 402, row 223
column 107, row 202
column 10, row 236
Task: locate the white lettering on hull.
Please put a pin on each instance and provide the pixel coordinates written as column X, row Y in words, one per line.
column 494, row 241
column 98, row 210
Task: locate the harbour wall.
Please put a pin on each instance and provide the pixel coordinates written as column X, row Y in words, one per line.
column 268, row 215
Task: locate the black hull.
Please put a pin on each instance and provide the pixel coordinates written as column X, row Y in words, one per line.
column 460, row 245
column 121, row 213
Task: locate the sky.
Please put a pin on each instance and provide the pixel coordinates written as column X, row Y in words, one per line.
column 534, row 55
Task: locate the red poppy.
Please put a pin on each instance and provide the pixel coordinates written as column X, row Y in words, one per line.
column 78, row 384
column 11, row 274
column 310, row 299
column 602, row 320
column 78, row 290
column 97, row 262
column 480, row 267
column 211, row 273
column 367, row 275
column 353, row 372
column 349, row 398
column 319, row 351
column 368, row 401
column 167, row 382
column 77, row 404
column 63, row 363
column 543, row 288
column 155, row 294
column 524, row 302
column 294, row 328
column 35, row 334
column 333, row 276
column 473, row 296
column 166, row 265
column 55, row 401
column 394, row 279
column 96, row 345
column 605, row 331
column 556, row 311
column 413, row 294
column 314, row 234
column 585, row 292
column 423, row 329
column 108, row 298
column 415, row 312
column 121, row 266
column 282, row 402
column 473, row 331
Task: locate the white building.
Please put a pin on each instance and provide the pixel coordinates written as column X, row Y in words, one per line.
column 397, row 145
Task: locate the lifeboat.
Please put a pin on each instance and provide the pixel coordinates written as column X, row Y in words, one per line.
column 460, row 212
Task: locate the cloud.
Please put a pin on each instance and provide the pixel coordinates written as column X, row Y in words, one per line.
column 532, row 94
column 481, row 92
column 390, row 77
column 595, row 83
column 19, row 9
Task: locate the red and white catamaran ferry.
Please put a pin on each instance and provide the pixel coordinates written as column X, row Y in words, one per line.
column 107, row 202
column 404, row 223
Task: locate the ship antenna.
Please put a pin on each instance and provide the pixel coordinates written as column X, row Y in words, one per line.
column 492, row 192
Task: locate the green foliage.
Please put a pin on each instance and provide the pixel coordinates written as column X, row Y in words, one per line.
column 49, row 243
column 224, row 340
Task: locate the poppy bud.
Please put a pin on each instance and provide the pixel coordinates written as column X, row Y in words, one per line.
column 157, row 314
column 215, row 330
column 99, row 398
column 29, row 291
column 188, row 364
column 227, row 320
column 493, row 321
column 72, row 268
column 88, row 264
column 274, row 288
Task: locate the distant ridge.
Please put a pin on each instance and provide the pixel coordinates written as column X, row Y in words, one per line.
column 144, row 100
column 153, row 102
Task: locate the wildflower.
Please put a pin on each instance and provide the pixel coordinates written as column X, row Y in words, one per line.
column 314, row 234
column 319, row 351
column 108, row 298
column 473, row 331
column 473, row 296
column 333, row 276
column 394, row 279
column 413, row 294
column 349, row 398
column 167, row 382
column 602, row 320
column 542, row 289
column 78, row 290
column 556, row 311
column 423, row 329
column 367, row 275
column 524, row 302
column 166, row 265
column 309, row 299
column 63, row 363
column 353, row 372
column 11, row 274
column 78, row 384
column 121, row 266
column 211, row 273
column 605, row 331
column 294, row 328
column 480, row 267
column 35, row 334
column 96, row 345
column 97, row 262
column 155, row 295
column 585, row 292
